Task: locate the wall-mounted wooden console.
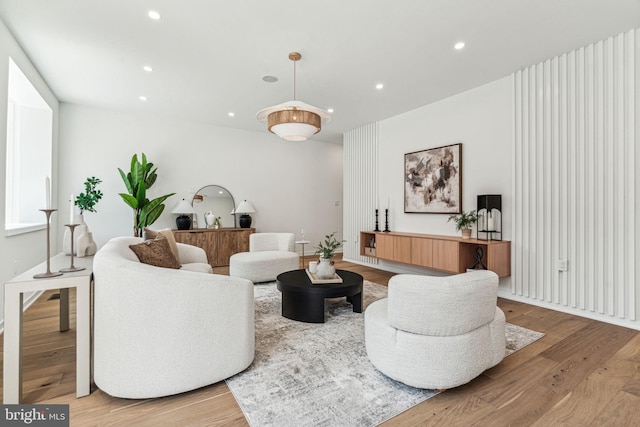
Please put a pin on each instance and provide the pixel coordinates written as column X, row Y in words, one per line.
column 445, row 253
column 219, row 244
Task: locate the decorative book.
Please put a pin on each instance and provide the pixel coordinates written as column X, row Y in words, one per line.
column 314, row 278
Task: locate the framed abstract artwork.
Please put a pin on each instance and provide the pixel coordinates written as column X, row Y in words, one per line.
column 433, row 180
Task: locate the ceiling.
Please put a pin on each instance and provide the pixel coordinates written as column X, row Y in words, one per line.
column 209, row 57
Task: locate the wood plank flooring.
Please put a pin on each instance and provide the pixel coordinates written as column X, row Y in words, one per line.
column 582, row 373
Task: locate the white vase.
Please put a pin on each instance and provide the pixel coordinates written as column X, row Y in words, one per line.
column 209, row 219
column 83, row 244
column 325, row 269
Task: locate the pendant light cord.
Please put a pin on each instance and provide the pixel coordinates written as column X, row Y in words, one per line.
column 294, row 80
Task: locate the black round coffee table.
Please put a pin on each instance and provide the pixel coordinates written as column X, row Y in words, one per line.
column 304, row 301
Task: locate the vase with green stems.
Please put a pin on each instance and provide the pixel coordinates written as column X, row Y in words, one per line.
column 84, row 245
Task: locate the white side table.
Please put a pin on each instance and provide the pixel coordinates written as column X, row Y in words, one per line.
column 302, row 242
column 13, row 296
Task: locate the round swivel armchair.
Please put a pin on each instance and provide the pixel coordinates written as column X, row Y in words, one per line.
column 436, row 332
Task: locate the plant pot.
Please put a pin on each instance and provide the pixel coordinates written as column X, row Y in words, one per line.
column 466, row 233
column 326, row 269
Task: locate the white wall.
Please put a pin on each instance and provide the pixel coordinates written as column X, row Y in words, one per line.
column 480, row 119
column 293, row 185
column 21, row 252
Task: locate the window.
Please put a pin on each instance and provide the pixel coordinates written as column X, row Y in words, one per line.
column 29, row 147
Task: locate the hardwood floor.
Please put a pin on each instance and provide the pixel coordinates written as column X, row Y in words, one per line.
column 582, row 373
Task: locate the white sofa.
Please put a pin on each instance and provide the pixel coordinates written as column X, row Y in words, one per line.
column 436, row 332
column 161, row 331
column 269, row 255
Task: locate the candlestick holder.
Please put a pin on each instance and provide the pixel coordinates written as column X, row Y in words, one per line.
column 71, row 267
column 377, row 227
column 386, row 221
column 48, row 273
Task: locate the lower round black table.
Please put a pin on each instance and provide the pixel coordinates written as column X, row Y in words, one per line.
column 303, row 301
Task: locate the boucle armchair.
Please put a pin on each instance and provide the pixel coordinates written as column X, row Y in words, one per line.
column 436, row 332
column 162, row 331
column 269, row 255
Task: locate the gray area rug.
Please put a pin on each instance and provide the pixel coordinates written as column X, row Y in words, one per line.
column 307, row 374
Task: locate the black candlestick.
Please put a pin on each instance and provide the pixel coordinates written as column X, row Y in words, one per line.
column 386, row 221
column 377, row 228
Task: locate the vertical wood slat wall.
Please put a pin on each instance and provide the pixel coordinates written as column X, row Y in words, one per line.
column 575, row 184
column 360, row 160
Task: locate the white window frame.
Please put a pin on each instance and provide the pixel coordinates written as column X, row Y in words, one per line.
column 28, row 154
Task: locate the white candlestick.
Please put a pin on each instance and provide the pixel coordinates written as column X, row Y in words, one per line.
column 47, row 186
column 71, row 208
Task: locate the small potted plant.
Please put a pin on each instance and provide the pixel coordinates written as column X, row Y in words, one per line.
column 464, row 222
column 326, row 249
column 87, row 200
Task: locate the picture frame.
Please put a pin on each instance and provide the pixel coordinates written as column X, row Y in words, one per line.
column 433, row 180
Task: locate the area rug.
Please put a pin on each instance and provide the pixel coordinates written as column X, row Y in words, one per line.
column 307, row 374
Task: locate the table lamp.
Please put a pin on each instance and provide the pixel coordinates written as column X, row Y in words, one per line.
column 184, row 211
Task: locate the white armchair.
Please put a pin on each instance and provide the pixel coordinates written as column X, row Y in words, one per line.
column 269, row 255
column 162, row 331
column 436, row 332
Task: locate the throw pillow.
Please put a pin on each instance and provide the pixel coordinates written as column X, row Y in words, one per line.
column 167, row 233
column 156, row 252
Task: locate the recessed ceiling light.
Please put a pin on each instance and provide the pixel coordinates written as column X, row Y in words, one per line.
column 147, row 68
column 270, row 79
column 232, row 114
column 459, row 45
column 142, row 98
column 379, row 86
column 330, row 110
column 153, row 15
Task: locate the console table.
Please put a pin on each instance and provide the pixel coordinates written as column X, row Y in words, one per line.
column 451, row 254
column 218, row 243
column 13, row 301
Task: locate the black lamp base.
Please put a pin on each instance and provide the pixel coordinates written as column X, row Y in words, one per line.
column 245, row 221
column 183, row 222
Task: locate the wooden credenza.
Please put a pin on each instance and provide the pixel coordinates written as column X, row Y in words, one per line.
column 445, row 253
column 219, row 244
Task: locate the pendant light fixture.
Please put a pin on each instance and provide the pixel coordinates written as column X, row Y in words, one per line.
column 294, row 120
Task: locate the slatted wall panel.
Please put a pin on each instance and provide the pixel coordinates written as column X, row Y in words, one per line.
column 360, row 187
column 575, row 180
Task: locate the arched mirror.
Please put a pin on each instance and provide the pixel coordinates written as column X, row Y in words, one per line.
column 217, row 200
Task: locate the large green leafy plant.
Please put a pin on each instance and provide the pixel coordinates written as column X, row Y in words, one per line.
column 141, row 177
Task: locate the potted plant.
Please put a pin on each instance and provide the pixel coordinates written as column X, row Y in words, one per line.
column 326, row 249
column 87, row 200
column 464, row 222
column 84, row 245
column 141, row 177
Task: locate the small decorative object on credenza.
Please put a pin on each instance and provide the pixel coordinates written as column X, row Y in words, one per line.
column 184, row 211
column 489, row 217
column 48, row 213
column 464, row 222
column 377, row 227
column 244, row 209
column 326, row 249
column 386, row 221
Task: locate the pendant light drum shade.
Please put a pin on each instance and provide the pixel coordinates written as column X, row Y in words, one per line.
column 294, row 120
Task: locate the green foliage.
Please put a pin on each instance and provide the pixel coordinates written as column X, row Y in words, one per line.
column 464, row 220
column 139, row 179
column 328, row 248
column 87, row 200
